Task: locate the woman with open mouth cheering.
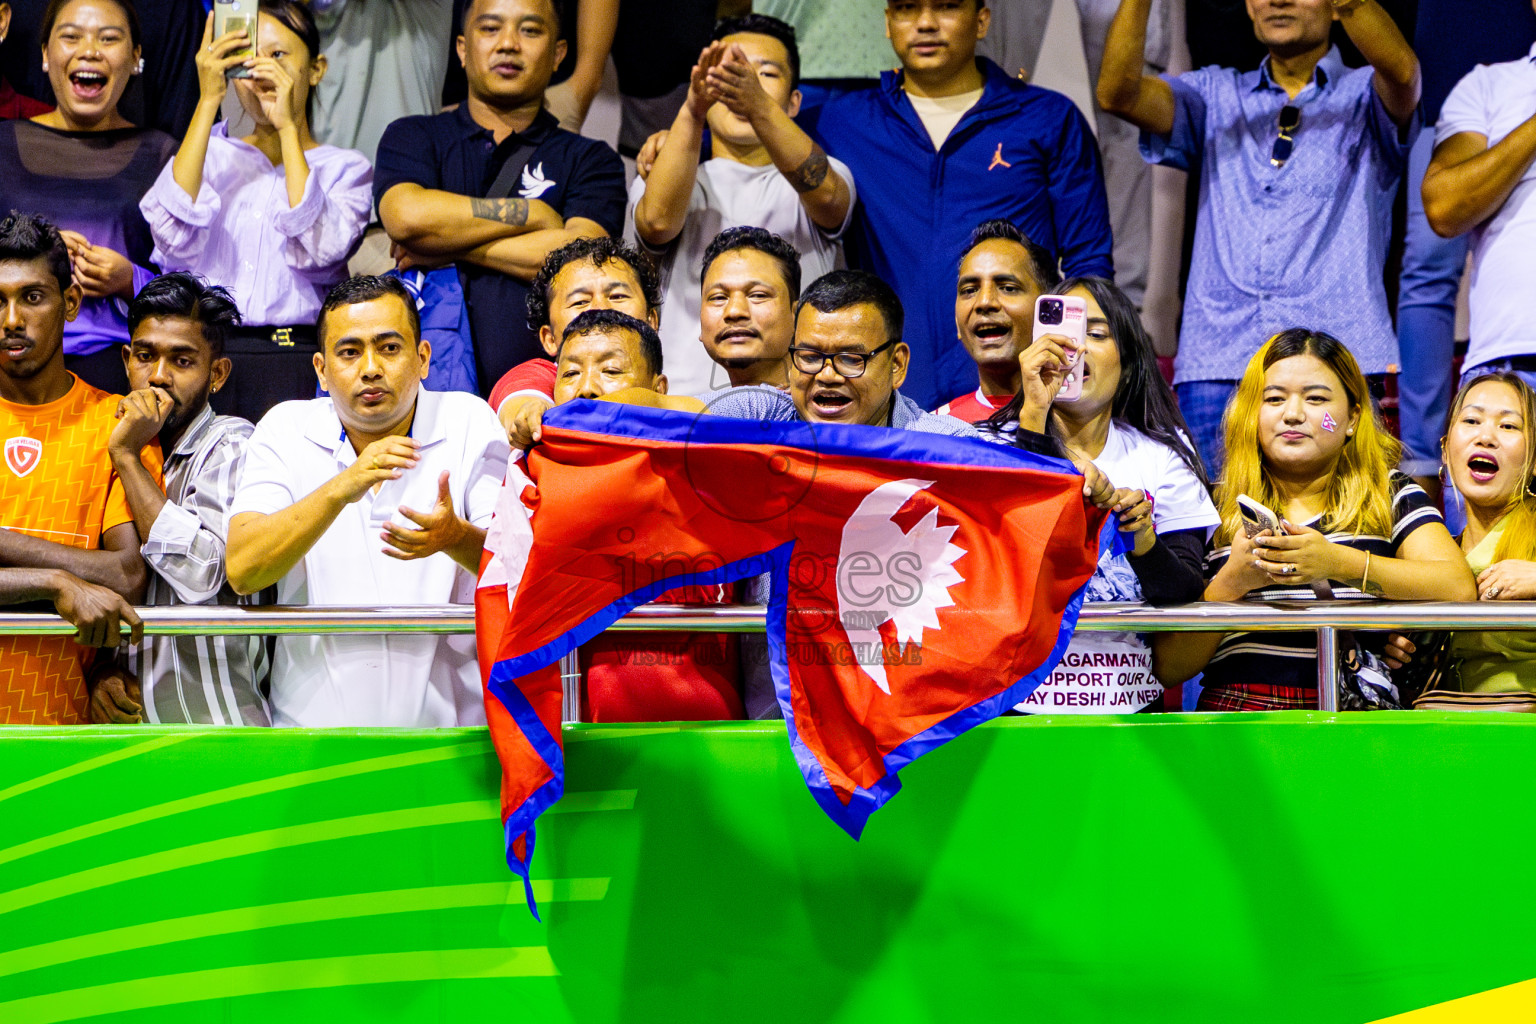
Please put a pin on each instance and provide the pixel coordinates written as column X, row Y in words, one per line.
column 83, row 167
column 1490, row 450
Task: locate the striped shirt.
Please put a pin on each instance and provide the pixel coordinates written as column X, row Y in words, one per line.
column 1290, row 659
column 211, row 680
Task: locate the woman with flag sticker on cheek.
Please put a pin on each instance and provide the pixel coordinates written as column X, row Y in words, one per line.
column 1303, row 440
column 1126, row 426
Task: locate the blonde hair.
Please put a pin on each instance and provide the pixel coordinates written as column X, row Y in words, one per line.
column 1519, row 519
column 1359, row 495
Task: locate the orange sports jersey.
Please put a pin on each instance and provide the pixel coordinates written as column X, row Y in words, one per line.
column 57, row 484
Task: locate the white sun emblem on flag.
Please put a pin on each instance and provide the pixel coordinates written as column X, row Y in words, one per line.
column 887, row 575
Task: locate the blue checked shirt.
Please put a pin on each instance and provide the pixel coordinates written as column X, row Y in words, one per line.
column 1301, row 245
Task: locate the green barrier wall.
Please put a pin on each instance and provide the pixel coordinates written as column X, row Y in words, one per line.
column 1287, row 867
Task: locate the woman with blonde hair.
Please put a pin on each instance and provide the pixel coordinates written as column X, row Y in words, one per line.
column 1490, row 451
column 1303, row 440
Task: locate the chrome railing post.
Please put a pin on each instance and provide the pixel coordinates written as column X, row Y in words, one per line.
column 1327, row 668
column 570, row 686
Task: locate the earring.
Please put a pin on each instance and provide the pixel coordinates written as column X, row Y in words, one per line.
column 138, row 68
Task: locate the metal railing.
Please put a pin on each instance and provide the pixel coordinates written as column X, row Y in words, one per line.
column 1325, row 618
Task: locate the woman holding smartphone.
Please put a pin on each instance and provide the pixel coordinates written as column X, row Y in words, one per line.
column 1124, row 421
column 1303, row 440
column 272, row 216
column 83, row 167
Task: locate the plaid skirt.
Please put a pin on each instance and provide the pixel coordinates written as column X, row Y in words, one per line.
column 1257, row 697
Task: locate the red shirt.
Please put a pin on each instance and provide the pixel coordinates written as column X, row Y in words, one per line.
column 973, row 407
column 16, row 107
column 536, row 376
column 665, row 677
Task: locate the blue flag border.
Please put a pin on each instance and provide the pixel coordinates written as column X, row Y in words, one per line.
column 670, row 427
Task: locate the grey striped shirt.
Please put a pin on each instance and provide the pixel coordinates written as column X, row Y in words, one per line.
column 217, row 680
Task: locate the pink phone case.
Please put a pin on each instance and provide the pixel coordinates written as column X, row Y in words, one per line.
column 1074, row 326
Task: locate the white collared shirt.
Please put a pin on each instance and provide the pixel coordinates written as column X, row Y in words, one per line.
column 370, row 680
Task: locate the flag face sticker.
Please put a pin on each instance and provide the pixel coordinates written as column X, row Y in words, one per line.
column 918, row 585
column 22, row 454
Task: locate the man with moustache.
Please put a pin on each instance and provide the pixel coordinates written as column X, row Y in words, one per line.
column 762, row 170
column 381, row 491
column 751, row 282
column 175, row 361
column 495, row 185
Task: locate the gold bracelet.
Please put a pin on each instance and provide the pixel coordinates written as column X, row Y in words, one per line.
column 1345, row 6
column 1365, row 579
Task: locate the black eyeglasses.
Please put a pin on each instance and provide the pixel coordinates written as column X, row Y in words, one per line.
column 847, row 364
column 1290, row 120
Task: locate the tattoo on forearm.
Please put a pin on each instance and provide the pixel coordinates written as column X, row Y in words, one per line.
column 507, row 211
column 810, row 174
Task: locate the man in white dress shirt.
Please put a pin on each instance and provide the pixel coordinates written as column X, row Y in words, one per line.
column 376, row 495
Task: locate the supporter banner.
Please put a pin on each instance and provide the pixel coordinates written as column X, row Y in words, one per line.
column 921, row 584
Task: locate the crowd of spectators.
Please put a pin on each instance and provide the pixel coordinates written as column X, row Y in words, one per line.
column 201, row 404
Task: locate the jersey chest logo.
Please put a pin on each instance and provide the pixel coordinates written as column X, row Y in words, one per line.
column 534, row 182
column 22, row 454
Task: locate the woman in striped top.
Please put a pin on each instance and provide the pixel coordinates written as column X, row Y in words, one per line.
column 1303, row 440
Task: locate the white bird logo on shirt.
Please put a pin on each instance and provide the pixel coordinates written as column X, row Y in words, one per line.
column 534, row 182
column 908, row 573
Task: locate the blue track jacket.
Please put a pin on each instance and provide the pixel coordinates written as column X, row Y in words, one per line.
column 1022, row 153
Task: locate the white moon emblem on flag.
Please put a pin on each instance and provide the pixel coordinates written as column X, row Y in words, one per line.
column 887, row 575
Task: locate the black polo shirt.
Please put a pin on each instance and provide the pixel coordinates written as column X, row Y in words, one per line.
column 579, row 177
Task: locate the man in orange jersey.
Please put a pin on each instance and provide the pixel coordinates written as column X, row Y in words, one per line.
column 62, row 508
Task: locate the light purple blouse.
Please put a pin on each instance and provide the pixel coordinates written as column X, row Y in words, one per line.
column 277, row 261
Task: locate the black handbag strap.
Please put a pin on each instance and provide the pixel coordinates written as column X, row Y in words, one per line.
column 511, row 171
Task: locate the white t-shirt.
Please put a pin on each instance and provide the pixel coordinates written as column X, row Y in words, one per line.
column 728, row 194
column 1111, row 673
column 940, row 114
column 375, row 680
column 1493, row 100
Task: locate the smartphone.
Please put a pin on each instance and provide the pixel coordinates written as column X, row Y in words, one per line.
column 1068, row 317
column 232, row 16
column 1257, row 518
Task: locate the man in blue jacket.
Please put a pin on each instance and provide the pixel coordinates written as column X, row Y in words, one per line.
column 948, row 142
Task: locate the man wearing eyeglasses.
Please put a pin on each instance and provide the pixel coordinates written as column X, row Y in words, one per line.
column 1299, row 163
column 846, row 364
